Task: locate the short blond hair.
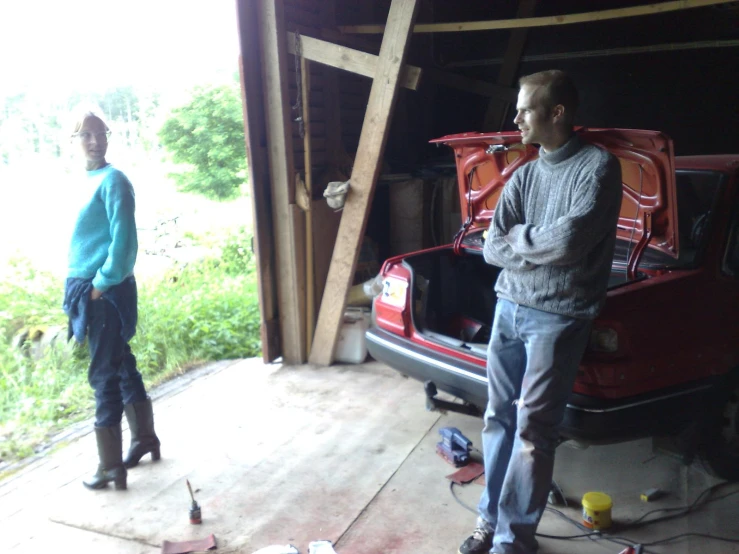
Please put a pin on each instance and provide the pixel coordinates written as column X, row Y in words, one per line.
column 83, row 116
column 557, row 88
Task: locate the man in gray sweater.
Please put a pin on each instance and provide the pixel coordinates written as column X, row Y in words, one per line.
column 553, row 233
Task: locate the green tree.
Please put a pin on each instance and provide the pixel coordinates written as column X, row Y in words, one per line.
column 207, row 135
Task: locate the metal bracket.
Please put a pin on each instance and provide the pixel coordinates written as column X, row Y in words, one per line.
column 434, row 404
column 635, row 257
column 493, row 148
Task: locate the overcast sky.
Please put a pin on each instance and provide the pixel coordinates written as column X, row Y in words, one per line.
column 60, row 45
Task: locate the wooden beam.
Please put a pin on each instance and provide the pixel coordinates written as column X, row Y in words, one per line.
column 365, row 43
column 375, row 128
column 258, row 172
column 621, row 51
column 467, row 84
column 327, row 53
column 291, row 276
column 568, row 19
column 497, row 110
column 310, row 313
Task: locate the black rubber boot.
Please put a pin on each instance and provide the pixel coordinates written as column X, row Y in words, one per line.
column 140, row 416
column 111, row 468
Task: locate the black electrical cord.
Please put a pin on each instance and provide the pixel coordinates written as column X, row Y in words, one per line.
column 469, row 509
column 699, row 501
column 683, row 510
column 683, row 535
column 588, row 533
column 625, row 541
column 454, row 494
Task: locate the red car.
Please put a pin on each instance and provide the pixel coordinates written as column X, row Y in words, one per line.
column 663, row 358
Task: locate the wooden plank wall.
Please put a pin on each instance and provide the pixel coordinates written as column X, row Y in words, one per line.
column 354, row 89
column 353, row 96
column 311, row 17
column 306, row 17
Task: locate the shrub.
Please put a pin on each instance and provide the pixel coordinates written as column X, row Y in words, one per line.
column 197, row 313
column 206, row 136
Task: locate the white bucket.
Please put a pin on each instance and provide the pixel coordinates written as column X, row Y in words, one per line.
column 352, row 346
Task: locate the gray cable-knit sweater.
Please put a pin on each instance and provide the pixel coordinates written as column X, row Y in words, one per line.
column 554, row 230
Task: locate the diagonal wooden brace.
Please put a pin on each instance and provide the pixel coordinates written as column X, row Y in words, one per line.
column 366, row 169
column 349, row 59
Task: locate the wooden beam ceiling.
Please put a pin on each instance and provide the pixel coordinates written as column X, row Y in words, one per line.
column 547, row 21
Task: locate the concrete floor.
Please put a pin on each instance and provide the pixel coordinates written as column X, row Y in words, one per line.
column 288, row 455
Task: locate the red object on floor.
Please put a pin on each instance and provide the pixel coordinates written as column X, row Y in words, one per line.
column 468, row 473
column 184, row 547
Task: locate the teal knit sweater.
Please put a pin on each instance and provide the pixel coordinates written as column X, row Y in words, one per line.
column 104, row 243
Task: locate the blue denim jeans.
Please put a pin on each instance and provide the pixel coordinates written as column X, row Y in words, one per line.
column 533, row 358
column 112, row 374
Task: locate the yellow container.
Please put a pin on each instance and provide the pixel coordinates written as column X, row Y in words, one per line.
column 596, row 510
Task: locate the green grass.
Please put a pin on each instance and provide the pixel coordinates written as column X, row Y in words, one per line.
column 196, row 313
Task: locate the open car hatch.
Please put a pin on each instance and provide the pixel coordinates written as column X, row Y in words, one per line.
column 485, row 162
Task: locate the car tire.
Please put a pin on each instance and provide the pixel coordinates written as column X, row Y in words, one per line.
column 719, row 454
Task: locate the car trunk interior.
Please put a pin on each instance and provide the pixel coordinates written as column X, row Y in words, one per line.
column 444, row 310
column 454, row 299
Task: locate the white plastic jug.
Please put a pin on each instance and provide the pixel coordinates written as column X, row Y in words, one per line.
column 352, row 346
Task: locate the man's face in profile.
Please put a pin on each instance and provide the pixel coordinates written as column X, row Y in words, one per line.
column 534, row 119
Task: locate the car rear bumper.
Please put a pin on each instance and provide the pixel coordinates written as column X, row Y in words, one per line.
column 587, row 419
column 667, row 412
column 457, row 377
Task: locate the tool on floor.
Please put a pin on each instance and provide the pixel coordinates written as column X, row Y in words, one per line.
column 650, row 495
column 454, row 447
column 636, row 549
column 185, row 547
column 195, row 515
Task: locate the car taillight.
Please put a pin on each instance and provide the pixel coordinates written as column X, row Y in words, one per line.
column 391, row 305
column 394, row 291
column 603, row 339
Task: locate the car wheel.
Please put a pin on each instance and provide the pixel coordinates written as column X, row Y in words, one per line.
column 720, row 452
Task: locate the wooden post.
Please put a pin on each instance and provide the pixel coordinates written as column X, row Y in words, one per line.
column 310, row 311
column 258, row 170
column 290, row 273
column 366, row 169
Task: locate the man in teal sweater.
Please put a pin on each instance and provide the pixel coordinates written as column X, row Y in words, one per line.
column 553, row 234
column 101, row 302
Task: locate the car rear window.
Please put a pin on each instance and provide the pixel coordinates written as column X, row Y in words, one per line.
column 697, row 194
